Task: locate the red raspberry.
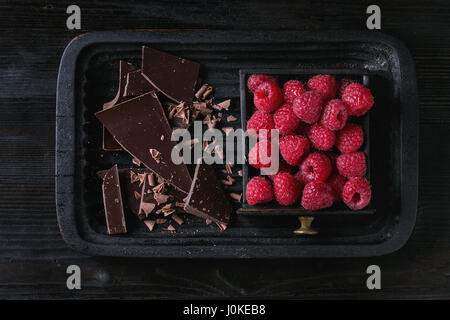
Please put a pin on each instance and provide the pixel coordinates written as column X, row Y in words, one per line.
column 334, row 115
column 258, row 190
column 351, row 164
column 325, row 84
column 291, row 90
column 343, row 83
column 350, row 139
column 268, row 96
column 321, row 138
column 293, row 148
column 356, row 193
column 282, row 167
column 317, row 195
column 285, row 120
column 255, row 80
column 260, row 120
column 358, row 99
column 316, row 167
column 337, row 182
column 308, row 106
column 286, row 189
column 260, row 155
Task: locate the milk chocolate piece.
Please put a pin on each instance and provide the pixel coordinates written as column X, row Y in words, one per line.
column 109, row 143
column 173, row 76
column 129, row 186
column 112, row 201
column 206, row 198
column 137, row 84
column 137, row 124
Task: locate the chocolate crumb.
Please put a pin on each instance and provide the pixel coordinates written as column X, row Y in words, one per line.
column 171, row 228
column 208, row 221
column 177, row 219
column 231, row 118
column 236, row 196
column 156, row 155
column 150, row 224
column 136, row 162
column 137, row 195
column 240, row 173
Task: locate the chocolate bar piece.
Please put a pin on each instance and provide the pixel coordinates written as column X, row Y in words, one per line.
column 109, row 143
column 206, row 198
column 112, row 201
column 141, row 127
column 137, row 84
column 173, row 76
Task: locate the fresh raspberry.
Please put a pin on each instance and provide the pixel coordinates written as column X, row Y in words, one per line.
column 317, row 195
column 358, row 99
column 350, row 139
column 293, row 148
column 321, row 138
column 351, row 164
column 291, row 90
column 308, row 106
column 255, row 80
column 316, row 167
column 260, row 120
column 285, row 120
column 282, row 167
column 259, row 190
column 343, row 83
column 334, row 115
column 337, row 182
column 268, row 96
column 286, row 189
column 325, row 84
column 356, row 193
column 260, row 155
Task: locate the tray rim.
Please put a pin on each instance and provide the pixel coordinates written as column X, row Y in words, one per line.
column 65, row 146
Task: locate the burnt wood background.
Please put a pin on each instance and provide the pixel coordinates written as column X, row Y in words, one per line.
column 34, row 258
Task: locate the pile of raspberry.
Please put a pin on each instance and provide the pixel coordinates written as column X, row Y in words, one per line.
column 320, row 158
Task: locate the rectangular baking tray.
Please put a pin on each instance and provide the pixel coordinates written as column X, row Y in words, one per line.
column 88, row 77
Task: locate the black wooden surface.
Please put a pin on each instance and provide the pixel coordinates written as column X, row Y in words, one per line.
column 34, row 258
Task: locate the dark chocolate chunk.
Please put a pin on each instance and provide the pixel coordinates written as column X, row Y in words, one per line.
column 109, row 143
column 112, row 201
column 206, row 198
column 137, row 84
column 173, row 76
column 137, row 124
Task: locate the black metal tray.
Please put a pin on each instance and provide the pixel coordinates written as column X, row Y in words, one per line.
column 88, row 77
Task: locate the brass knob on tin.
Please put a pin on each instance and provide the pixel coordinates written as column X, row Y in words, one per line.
column 305, row 226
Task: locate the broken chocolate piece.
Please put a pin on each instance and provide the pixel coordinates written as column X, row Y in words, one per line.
column 173, row 76
column 137, row 84
column 109, row 143
column 206, row 198
column 112, row 201
column 137, row 125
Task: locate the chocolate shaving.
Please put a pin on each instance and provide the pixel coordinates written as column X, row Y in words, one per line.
column 161, row 221
column 231, row 118
column 147, row 207
column 150, row 224
column 156, row 155
column 137, row 195
column 236, row 196
column 161, row 198
column 136, row 162
column 221, row 226
column 171, row 228
column 228, row 168
column 201, row 91
column 151, row 179
column 160, row 188
column 177, row 219
column 240, row 173
column 133, row 177
column 225, row 105
column 208, row 221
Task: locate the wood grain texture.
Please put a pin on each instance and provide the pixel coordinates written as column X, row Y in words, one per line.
column 33, row 257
